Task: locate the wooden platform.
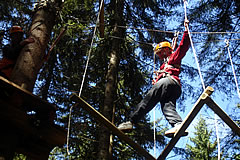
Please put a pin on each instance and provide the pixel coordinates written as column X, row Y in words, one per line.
column 31, row 134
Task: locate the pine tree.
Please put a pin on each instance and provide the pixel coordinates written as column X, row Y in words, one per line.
column 202, row 148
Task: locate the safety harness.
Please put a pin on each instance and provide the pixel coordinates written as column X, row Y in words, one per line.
column 164, row 73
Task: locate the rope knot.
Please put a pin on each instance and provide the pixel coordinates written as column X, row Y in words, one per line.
column 227, row 42
column 185, row 1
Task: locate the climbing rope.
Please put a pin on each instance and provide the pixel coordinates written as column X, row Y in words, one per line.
column 154, row 131
column 234, row 74
column 194, row 51
column 154, row 110
column 215, row 116
column 218, row 141
column 174, row 41
column 84, row 75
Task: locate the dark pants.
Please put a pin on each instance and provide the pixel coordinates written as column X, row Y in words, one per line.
column 166, row 91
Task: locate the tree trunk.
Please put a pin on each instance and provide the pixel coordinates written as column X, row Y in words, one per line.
column 49, row 77
column 31, row 57
column 110, row 91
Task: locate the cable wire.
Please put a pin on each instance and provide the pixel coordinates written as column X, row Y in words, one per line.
column 154, row 113
column 218, row 141
column 162, row 31
column 84, row 75
column 233, row 70
column 194, row 51
column 215, row 116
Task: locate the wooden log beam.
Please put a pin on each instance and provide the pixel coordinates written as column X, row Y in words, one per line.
column 18, row 117
column 98, row 116
column 14, row 104
column 223, row 116
column 30, row 100
column 101, row 19
column 192, row 114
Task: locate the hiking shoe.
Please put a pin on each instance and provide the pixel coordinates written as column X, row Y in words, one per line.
column 171, row 132
column 126, row 126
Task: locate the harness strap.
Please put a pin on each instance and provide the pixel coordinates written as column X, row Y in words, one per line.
column 167, row 74
column 178, row 66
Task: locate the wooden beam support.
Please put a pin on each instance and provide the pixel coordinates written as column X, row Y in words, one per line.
column 27, row 138
column 198, row 105
column 30, row 100
column 98, row 116
column 223, row 116
column 101, row 19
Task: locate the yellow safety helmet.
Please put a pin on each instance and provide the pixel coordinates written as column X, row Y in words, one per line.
column 15, row 29
column 161, row 45
column 158, row 47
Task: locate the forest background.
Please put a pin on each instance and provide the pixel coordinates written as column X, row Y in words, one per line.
column 120, row 71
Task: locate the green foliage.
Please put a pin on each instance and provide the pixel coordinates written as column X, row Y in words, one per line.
column 67, row 64
column 202, row 148
column 14, row 13
column 217, row 16
column 231, row 142
column 19, row 157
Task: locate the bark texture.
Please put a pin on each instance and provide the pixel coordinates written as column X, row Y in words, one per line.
column 31, row 57
column 111, row 87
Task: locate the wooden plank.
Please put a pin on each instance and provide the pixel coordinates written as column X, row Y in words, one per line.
column 223, row 116
column 192, row 114
column 36, row 142
column 27, row 98
column 98, row 116
column 19, row 121
column 101, row 19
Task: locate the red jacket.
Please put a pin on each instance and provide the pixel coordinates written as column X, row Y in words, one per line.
column 10, row 55
column 6, row 67
column 175, row 59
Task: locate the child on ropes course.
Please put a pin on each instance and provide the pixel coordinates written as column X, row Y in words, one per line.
column 12, row 51
column 166, row 87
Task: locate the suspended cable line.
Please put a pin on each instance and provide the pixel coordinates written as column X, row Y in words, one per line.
column 233, row 70
column 153, row 30
column 154, row 112
column 84, row 75
column 162, row 31
column 218, row 141
column 195, row 55
column 194, row 51
column 146, row 43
